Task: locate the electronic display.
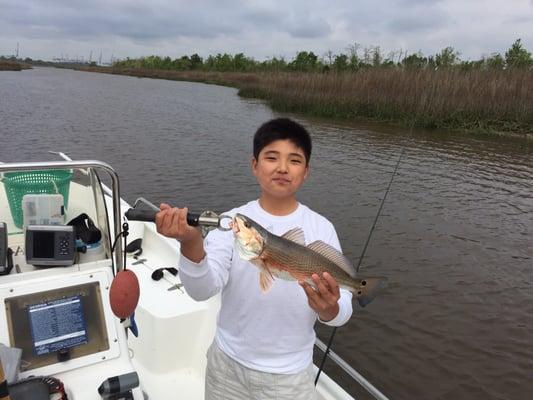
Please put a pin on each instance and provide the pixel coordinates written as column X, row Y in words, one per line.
column 50, row 245
column 43, row 244
column 55, row 315
column 57, row 324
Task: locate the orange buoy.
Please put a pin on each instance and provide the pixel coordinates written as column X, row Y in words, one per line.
column 124, row 293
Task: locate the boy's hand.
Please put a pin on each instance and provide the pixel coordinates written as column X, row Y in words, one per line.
column 324, row 299
column 172, row 222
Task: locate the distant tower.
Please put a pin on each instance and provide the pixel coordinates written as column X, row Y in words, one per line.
column 100, row 59
column 90, row 56
column 17, row 56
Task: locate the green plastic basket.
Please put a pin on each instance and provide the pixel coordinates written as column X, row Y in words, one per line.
column 18, row 184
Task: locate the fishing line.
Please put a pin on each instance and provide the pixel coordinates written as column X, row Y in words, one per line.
column 379, row 210
column 330, row 341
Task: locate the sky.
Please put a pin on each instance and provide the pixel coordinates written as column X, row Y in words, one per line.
column 106, row 29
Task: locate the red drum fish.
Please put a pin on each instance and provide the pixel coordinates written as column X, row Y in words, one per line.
column 287, row 257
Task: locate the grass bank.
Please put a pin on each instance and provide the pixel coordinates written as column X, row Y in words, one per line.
column 478, row 101
column 10, row 66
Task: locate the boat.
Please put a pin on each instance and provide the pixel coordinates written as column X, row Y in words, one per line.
column 61, row 317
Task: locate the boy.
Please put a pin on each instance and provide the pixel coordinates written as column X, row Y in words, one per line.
column 263, row 346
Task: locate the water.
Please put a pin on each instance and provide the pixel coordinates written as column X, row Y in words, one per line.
column 454, row 236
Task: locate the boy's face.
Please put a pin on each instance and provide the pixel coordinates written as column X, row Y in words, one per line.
column 280, row 169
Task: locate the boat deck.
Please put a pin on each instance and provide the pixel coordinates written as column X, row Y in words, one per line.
column 175, row 331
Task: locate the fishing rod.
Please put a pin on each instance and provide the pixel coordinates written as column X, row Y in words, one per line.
column 330, row 341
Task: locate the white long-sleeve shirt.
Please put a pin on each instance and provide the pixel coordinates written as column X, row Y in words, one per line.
column 271, row 332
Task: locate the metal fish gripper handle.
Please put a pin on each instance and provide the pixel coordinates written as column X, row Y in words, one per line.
column 206, row 220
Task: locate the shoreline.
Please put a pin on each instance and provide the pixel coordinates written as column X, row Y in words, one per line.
column 14, row 66
column 325, row 96
column 10, row 66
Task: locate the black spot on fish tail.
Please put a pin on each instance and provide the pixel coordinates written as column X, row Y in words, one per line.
column 369, row 289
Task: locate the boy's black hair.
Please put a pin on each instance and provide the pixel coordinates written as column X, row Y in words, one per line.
column 282, row 129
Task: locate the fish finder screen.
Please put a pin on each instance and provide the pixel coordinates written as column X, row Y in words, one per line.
column 57, row 325
column 43, row 244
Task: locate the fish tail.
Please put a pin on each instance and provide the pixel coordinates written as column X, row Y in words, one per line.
column 367, row 289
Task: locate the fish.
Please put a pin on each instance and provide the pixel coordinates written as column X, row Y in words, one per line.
column 287, row 257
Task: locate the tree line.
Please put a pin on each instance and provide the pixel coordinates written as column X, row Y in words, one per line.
column 356, row 58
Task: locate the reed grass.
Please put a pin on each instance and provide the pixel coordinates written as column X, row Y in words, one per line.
column 472, row 101
column 10, row 66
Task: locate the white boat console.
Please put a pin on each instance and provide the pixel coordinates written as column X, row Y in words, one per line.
column 62, row 321
column 58, row 313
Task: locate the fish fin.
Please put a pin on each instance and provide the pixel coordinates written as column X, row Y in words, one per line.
column 265, row 280
column 258, row 262
column 334, row 255
column 265, row 276
column 368, row 288
column 295, row 235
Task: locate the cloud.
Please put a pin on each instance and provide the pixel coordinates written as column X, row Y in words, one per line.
column 135, row 21
column 263, row 18
column 259, row 29
column 419, row 23
column 311, row 28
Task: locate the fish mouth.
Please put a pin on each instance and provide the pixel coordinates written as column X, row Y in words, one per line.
column 236, row 224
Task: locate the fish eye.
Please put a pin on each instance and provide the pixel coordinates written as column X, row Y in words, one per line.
column 247, row 224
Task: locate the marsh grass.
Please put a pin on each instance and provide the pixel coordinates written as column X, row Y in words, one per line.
column 10, row 66
column 477, row 101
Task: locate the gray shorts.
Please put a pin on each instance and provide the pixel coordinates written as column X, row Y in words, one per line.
column 226, row 379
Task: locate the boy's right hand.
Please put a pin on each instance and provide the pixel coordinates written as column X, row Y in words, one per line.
column 172, row 222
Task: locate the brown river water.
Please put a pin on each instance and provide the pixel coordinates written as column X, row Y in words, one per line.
column 454, row 236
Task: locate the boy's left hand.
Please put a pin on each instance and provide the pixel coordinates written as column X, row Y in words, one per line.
column 324, row 299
